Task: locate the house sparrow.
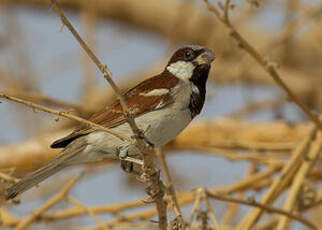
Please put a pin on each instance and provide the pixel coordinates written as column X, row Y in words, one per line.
column 163, row 106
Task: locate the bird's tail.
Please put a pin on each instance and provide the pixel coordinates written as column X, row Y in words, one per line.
column 33, row 179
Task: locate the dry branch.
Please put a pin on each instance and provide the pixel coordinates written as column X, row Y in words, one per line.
column 279, row 184
column 269, row 67
column 23, row 223
column 150, row 171
column 148, row 14
column 292, row 199
column 263, row 207
column 64, row 114
column 170, row 188
column 275, row 135
column 287, row 152
column 250, row 182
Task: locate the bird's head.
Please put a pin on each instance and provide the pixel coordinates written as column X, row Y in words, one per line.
column 190, row 63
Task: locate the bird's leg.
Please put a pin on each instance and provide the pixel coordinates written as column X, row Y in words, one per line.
column 126, row 166
column 123, row 152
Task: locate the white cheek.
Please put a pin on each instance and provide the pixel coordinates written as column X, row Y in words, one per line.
column 181, row 69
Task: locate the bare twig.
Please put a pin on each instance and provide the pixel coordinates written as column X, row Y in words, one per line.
column 184, row 198
column 89, row 22
column 49, row 203
column 200, row 194
column 279, row 183
column 233, row 207
column 103, row 68
column 269, row 67
column 306, row 166
column 150, row 171
column 170, row 187
column 263, row 207
column 8, row 178
column 66, row 115
column 40, row 97
column 89, row 211
column 210, row 211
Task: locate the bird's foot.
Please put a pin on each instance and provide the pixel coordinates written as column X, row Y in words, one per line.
column 127, row 166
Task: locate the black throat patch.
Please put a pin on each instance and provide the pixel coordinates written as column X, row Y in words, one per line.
column 199, row 79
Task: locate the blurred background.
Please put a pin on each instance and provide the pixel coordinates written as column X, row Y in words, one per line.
column 247, row 125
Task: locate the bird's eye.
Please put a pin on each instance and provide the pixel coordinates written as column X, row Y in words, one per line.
column 188, row 55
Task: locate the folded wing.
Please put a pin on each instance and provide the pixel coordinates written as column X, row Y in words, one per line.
column 152, row 94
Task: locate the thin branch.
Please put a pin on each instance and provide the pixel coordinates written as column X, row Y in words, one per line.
column 195, row 208
column 103, row 68
column 170, row 187
column 264, row 207
column 89, row 211
column 8, row 178
column 66, row 115
column 150, row 173
column 24, row 223
column 40, row 97
column 89, row 23
column 210, row 211
column 269, row 67
column 232, row 209
column 293, row 195
column 184, row 198
column 200, row 194
column 279, row 184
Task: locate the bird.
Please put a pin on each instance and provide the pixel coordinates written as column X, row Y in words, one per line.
column 162, row 105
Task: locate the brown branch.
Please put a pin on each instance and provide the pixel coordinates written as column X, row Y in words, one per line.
column 269, row 67
column 151, row 174
column 40, row 97
column 251, row 182
column 276, row 138
column 232, row 209
column 292, row 198
column 89, row 23
column 170, row 188
column 8, row 178
column 263, row 207
column 103, row 68
column 89, row 211
column 209, row 210
column 279, row 184
column 66, row 115
column 188, row 197
column 49, row 203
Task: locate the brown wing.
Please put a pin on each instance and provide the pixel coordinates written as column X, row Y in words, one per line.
column 139, row 104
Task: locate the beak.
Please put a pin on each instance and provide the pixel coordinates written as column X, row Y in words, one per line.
column 206, row 57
